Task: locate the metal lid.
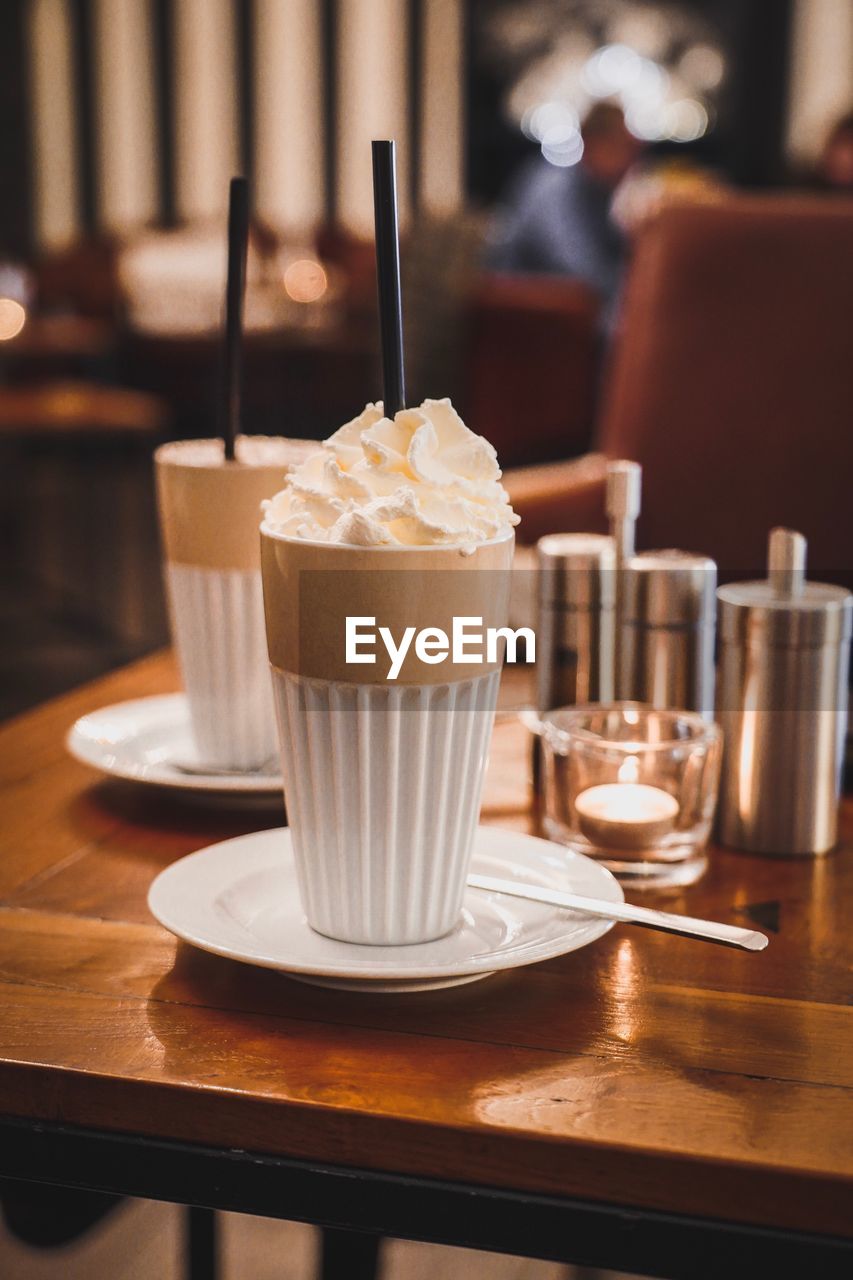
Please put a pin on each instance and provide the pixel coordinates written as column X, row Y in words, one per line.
column 784, row 610
column 670, row 589
column 622, row 494
column 752, row 611
column 577, row 570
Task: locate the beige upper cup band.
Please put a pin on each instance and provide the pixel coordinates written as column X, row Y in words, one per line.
column 311, row 589
column 210, row 516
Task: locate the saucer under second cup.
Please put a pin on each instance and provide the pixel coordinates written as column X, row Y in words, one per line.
column 150, row 740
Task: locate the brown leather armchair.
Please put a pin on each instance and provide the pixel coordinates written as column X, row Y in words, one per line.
column 732, row 383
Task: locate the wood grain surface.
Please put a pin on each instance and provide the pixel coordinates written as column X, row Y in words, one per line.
column 644, row 1070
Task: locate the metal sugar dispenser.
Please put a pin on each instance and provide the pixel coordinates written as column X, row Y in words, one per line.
column 782, row 703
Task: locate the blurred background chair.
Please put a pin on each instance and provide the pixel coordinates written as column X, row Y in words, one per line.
column 517, row 354
column 531, row 366
column 739, row 417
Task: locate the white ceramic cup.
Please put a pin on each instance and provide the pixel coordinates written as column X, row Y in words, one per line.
column 382, row 778
column 217, row 620
column 210, row 511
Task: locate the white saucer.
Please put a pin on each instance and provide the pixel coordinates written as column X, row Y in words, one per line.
column 148, row 739
column 240, row 899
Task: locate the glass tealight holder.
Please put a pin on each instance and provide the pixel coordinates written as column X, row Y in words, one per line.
column 633, row 787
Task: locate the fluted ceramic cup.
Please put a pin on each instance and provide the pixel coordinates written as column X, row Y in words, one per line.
column 210, row 510
column 382, row 778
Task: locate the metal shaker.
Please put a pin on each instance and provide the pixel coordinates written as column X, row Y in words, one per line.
column 577, row 583
column 782, row 703
column 666, row 657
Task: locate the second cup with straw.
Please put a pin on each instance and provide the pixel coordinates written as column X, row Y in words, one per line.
column 209, row 495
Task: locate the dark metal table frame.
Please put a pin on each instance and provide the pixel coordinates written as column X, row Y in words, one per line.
column 642, row 1241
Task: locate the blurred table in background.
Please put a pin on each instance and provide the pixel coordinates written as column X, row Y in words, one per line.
column 57, row 346
column 301, row 382
column 519, row 355
column 82, row 410
column 80, row 584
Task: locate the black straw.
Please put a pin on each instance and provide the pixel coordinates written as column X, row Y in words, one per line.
column 235, row 296
column 388, row 276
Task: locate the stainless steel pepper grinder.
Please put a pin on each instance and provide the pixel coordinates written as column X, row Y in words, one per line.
column 782, row 703
column 669, row 616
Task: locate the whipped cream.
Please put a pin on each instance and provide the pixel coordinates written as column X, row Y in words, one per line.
column 422, row 479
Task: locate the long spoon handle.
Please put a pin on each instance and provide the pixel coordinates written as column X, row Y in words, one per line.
column 727, row 935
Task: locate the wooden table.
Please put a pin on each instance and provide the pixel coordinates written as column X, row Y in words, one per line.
column 51, row 346
column 650, row 1103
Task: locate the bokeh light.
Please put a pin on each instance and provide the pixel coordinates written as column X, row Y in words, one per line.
column 556, row 127
column 305, row 280
column 703, row 66
column 662, row 68
column 13, row 317
column 685, row 120
column 611, row 70
column 655, row 104
column 565, row 152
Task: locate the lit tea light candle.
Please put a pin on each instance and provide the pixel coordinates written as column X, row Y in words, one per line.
column 626, row 815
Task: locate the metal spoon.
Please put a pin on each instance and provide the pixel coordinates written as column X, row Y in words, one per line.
column 727, row 935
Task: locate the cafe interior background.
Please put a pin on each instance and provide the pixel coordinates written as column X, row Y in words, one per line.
column 122, row 123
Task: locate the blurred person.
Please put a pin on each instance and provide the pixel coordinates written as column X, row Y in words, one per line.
column 834, row 170
column 558, row 220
